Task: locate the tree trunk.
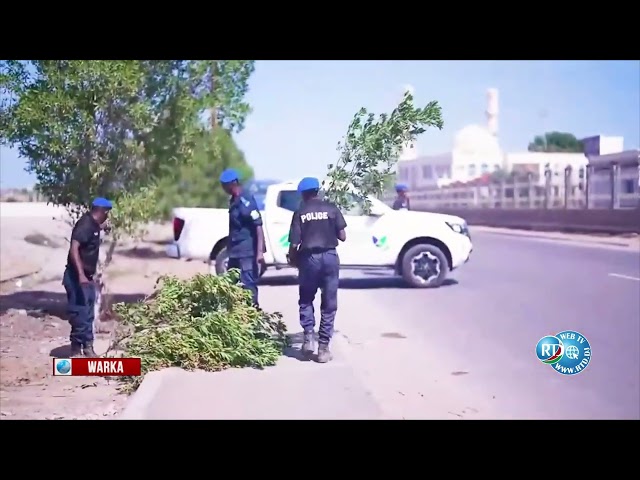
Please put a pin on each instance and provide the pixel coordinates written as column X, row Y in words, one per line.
column 102, row 306
column 214, row 110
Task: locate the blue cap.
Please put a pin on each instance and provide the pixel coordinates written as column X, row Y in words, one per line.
column 228, row 176
column 308, row 183
column 101, row 202
column 401, row 187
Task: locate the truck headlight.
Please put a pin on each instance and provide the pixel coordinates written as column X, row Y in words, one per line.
column 460, row 228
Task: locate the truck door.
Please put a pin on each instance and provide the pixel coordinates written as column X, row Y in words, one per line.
column 279, row 221
column 360, row 248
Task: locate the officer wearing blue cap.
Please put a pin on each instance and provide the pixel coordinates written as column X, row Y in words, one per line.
column 402, row 200
column 315, row 230
column 82, row 263
column 246, row 245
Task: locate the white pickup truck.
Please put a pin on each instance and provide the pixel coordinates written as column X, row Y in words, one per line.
column 422, row 247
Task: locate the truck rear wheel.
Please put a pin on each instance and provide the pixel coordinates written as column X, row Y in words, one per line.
column 220, row 265
column 424, row 266
column 221, row 262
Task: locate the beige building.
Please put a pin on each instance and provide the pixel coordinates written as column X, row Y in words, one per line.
column 476, row 151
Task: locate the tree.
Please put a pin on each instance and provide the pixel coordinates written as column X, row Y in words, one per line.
column 501, row 175
column 195, row 183
column 223, row 83
column 370, row 149
column 556, row 142
column 515, row 175
column 228, row 80
column 111, row 128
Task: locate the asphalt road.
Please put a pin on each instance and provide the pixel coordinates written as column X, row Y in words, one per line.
column 472, row 342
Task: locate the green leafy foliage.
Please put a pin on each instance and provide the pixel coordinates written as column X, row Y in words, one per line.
column 111, row 128
column 133, row 212
column 370, row 150
column 93, row 128
column 556, row 142
column 224, row 85
column 195, row 183
column 205, row 323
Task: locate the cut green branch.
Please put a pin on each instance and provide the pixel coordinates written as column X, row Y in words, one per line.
column 369, row 151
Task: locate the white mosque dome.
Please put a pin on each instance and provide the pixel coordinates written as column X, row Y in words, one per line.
column 476, row 139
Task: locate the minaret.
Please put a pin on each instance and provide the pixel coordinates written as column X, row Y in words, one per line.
column 409, row 151
column 492, row 111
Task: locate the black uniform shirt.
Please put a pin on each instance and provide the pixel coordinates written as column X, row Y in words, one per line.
column 400, row 203
column 87, row 233
column 244, row 217
column 315, row 225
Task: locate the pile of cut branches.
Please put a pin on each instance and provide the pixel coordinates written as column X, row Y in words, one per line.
column 205, row 323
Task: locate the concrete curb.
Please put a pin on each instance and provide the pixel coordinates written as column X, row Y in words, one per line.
column 137, row 405
column 138, row 402
column 7, row 277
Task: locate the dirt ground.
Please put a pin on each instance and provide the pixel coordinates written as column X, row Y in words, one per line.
column 33, row 325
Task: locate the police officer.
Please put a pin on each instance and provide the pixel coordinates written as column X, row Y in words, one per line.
column 82, row 262
column 246, row 245
column 315, row 230
column 402, row 200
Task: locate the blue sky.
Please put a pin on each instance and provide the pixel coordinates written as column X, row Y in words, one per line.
column 301, row 109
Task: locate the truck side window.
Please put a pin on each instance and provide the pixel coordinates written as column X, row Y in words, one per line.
column 356, row 207
column 289, row 200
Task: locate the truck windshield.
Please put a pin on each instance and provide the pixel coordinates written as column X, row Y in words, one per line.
column 356, row 204
column 258, row 188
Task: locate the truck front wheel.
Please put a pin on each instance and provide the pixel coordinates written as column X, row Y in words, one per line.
column 424, row 266
column 220, row 265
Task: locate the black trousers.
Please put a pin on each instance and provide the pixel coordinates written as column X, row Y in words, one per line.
column 249, row 274
column 318, row 271
column 81, row 301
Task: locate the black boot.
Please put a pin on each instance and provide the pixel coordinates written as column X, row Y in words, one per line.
column 308, row 344
column 324, row 354
column 76, row 350
column 89, row 352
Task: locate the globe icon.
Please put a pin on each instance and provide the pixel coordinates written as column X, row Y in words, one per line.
column 572, row 352
column 63, row 366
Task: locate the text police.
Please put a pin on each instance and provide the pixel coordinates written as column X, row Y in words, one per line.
column 315, row 230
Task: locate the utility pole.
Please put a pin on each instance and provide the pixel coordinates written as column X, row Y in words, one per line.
column 214, row 109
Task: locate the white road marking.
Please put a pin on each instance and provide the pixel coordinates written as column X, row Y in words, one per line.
column 626, row 277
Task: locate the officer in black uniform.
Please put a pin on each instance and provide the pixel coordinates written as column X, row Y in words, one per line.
column 315, row 230
column 246, row 245
column 82, row 262
column 402, row 200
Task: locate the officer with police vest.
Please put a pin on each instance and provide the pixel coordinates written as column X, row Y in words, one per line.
column 246, row 245
column 402, row 200
column 315, row 230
